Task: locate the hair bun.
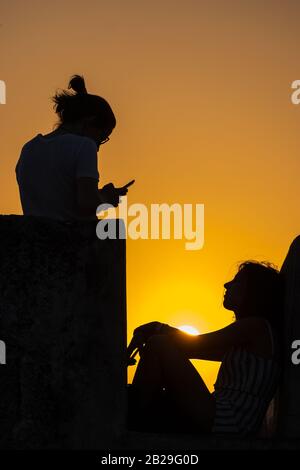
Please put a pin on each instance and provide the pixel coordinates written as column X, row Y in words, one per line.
column 77, row 84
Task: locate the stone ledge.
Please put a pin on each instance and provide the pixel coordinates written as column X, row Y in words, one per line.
column 63, row 320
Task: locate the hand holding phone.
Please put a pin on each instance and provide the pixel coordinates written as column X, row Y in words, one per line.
column 124, row 189
column 111, row 195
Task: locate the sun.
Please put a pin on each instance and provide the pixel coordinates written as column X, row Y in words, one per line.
column 189, row 329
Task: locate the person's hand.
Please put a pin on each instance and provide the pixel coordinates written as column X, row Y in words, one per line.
column 148, row 329
column 124, row 189
column 140, row 336
column 136, row 345
column 110, row 194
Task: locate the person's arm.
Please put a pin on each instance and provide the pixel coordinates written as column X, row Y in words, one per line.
column 89, row 196
column 212, row 346
column 209, row 346
column 87, row 177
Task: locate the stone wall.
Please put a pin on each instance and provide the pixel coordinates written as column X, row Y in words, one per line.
column 289, row 396
column 63, row 320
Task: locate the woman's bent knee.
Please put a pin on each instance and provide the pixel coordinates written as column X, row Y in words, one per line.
column 158, row 343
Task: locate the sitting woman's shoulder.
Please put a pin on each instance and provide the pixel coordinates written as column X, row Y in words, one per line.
column 258, row 334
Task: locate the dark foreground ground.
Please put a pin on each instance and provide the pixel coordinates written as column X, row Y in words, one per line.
column 153, row 441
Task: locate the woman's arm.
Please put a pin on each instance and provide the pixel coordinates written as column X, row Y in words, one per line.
column 89, row 196
column 212, row 346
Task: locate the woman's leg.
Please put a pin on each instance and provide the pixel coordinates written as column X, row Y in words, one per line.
column 162, row 364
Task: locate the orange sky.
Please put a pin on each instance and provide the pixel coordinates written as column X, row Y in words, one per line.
column 201, row 93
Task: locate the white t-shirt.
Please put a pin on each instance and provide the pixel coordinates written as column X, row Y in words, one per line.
column 46, row 174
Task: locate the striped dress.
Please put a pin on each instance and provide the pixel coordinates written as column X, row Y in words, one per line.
column 245, row 385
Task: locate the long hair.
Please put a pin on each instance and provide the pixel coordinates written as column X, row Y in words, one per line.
column 72, row 107
column 265, row 290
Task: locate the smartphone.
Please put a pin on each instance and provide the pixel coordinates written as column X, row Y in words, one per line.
column 128, row 184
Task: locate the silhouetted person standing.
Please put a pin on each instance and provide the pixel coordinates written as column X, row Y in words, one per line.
column 58, row 173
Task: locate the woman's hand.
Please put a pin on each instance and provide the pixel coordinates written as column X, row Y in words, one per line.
column 154, row 328
column 111, row 195
column 140, row 336
column 148, row 329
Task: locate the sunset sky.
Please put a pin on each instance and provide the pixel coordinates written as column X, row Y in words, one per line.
column 201, row 91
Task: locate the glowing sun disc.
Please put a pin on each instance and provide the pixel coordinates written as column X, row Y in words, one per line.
column 189, row 329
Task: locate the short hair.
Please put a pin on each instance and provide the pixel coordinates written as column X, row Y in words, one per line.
column 72, row 107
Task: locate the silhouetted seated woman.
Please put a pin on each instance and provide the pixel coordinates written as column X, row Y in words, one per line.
column 168, row 394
